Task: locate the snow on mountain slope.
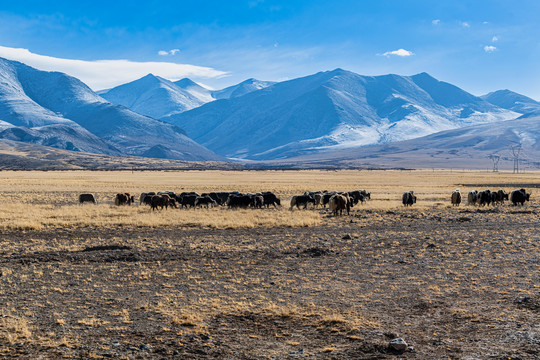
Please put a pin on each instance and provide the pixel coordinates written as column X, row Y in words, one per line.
column 156, row 97
column 203, row 94
column 510, row 100
column 16, row 107
column 467, row 147
column 242, row 88
column 333, row 109
column 62, row 136
column 33, row 98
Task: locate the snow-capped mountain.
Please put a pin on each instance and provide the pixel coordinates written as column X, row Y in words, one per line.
column 62, row 136
column 160, row 98
column 467, row 147
column 203, row 94
column 333, row 109
column 34, row 100
column 510, row 100
column 242, row 88
column 157, row 97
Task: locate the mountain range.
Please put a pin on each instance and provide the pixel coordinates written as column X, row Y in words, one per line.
column 510, row 100
column 160, row 98
column 333, row 109
column 55, row 109
column 330, row 115
column 469, row 147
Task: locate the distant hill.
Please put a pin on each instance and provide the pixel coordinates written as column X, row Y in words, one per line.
column 510, row 100
column 32, row 101
column 467, row 147
column 242, row 88
column 15, row 155
column 332, row 110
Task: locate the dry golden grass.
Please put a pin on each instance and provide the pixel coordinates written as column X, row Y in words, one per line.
column 35, row 217
column 14, row 328
column 36, row 200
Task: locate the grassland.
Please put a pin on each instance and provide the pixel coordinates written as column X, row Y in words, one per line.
column 124, row 282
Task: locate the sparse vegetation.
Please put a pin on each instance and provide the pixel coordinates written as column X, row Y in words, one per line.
column 100, row 281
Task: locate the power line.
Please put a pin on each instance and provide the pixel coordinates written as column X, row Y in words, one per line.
column 495, row 158
column 515, row 152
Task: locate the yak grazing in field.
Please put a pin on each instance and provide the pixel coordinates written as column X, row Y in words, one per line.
column 501, row 196
column 338, row 203
column 205, row 200
column 456, row 197
column 143, row 195
column 87, row 198
column 519, row 196
column 270, row 199
column 240, row 201
column 408, row 198
column 304, row 200
column 124, row 199
column 163, row 200
column 472, row 197
column 484, row 197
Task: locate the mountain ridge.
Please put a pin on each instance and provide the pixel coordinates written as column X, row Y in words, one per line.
column 30, row 98
column 335, row 108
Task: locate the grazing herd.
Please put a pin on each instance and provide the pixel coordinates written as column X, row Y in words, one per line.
column 336, row 202
column 230, row 199
column 488, row 197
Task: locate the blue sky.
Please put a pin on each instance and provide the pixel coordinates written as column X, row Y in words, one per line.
column 479, row 45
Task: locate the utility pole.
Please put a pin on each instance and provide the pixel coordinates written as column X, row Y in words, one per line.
column 515, row 152
column 495, row 158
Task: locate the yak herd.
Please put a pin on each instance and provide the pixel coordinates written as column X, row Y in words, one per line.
column 336, row 202
column 166, row 199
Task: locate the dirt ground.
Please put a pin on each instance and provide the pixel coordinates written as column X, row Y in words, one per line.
column 453, row 282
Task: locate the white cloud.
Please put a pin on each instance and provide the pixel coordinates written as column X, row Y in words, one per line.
column 494, row 39
column 489, row 48
column 103, row 74
column 400, row 52
column 436, row 22
column 170, row 52
column 465, row 24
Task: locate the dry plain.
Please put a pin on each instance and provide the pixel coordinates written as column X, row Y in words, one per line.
column 100, row 281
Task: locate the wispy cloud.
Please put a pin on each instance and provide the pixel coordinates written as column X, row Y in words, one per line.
column 399, row 52
column 103, row 74
column 489, row 48
column 436, row 22
column 465, row 24
column 167, row 53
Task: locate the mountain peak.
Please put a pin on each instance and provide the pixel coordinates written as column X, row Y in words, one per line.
column 152, row 78
column 508, row 99
column 424, row 76
column 186, row 82
column 340, row 71
column 243, row 88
